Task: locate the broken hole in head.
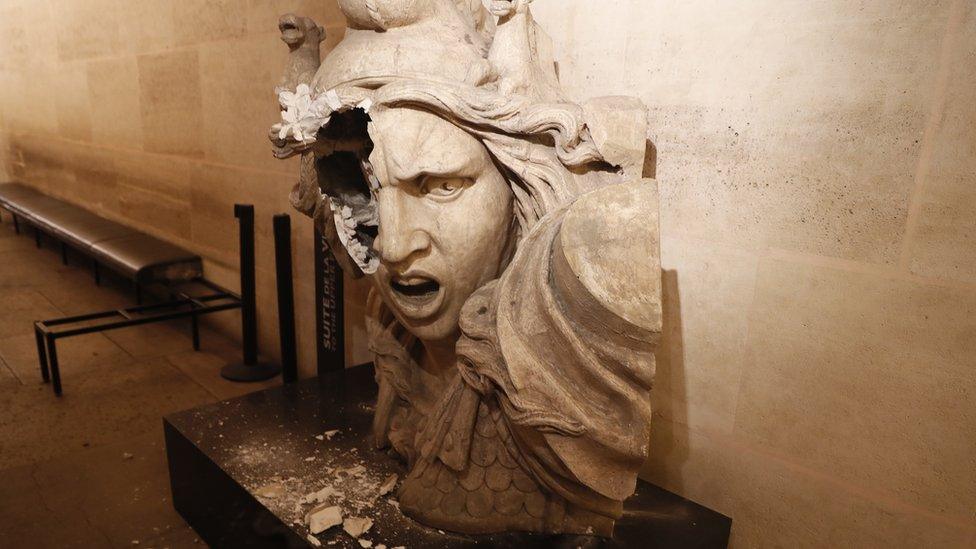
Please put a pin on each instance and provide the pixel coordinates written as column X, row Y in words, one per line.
column 344, row 177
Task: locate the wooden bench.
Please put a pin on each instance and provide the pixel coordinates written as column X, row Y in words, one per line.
column 140, row 257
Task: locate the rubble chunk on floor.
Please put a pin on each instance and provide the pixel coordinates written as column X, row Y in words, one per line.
column 313, row 540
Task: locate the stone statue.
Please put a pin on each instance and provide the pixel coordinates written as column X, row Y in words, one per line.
column 513, row 251
column 303, row 38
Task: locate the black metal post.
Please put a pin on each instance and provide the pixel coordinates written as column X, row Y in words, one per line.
column 37, row 237
column 16, row 225
column 95, row 271
column 249, row 321
column 195, row 327
column 41, row 353
column 52, row 354
column 250, row 369
column 286, row 298
column 64, row 253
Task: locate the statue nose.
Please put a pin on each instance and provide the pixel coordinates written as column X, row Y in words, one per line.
column 401, row 236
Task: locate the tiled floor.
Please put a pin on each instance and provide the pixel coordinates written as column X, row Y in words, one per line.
column 65, row 478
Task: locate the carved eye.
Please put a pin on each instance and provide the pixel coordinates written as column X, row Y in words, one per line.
column 442, row 188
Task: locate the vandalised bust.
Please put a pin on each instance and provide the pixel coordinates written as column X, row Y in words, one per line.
column 512, row 246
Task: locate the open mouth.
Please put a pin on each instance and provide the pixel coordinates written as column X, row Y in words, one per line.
column 416, row 288
column 288, row 25
column 416, row 296
column 290, row 31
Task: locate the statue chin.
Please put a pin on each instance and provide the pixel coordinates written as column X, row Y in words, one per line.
column 513, row 255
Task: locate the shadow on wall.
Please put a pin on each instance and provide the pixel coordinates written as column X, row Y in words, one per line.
column 650, row 160
column 668, row 448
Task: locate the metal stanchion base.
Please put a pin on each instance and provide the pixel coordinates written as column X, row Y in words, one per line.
column 250, row 372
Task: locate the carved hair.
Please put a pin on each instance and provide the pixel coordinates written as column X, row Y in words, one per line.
column 537, row 138
column 538, row 145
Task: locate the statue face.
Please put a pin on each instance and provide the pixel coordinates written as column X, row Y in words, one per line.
column 445, row 219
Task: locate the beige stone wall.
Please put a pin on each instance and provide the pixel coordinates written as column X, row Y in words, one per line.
column 155, row 113
column 817, row 165
column 4, row 169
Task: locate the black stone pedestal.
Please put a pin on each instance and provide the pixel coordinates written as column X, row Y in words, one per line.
column 239, row 469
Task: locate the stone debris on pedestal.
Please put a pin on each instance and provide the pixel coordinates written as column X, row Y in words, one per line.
column 271, row 491
column 389, row 484
column 324, row 517
column 357, row 526
column 266, row 458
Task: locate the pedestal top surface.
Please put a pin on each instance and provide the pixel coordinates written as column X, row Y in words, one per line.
column 283, row 445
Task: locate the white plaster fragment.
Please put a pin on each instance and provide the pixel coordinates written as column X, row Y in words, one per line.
column 271, row 491
column 356, row 471
column 313, row 540
column 322, row 518
column 332, row 100
column 322, row 496
column 357, row 526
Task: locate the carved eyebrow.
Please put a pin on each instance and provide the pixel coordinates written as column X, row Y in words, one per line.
column 453, row 165
column 423, row 155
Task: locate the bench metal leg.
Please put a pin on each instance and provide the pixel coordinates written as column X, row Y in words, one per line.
column 64, row 253
column 42, row 354
column 195, row 326
column 98, row 275
column 52, row 354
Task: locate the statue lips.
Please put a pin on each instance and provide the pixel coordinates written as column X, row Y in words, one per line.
column 417, row 294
